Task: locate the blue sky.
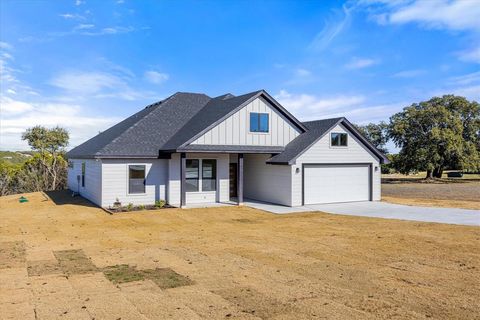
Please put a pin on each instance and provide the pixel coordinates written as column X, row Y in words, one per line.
column 86, row 64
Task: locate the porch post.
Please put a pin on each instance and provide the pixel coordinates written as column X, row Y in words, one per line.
column 183, row 191
column 240, row 179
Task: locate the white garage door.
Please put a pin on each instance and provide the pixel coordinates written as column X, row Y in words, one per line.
column 336, row 183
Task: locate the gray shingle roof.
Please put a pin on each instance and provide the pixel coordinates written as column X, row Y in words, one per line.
column 316, row 130
column 144, row 133
column 164, row 126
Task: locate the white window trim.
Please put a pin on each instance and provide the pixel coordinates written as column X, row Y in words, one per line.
column 269, row 124
column 338, row 147
column 200, row 178
column 128, row 178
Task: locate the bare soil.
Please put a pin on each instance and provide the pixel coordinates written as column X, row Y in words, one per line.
column 440, row 193
column 237, row 263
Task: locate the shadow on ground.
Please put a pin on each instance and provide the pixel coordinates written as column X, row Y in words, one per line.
column 64, row 197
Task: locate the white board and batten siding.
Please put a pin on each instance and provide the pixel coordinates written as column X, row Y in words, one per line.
column 115, row 181
column 93, row 179
column 322, row 152
column 264, row 182
column 222, row 193
column 235, row 130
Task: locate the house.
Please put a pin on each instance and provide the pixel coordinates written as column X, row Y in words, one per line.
column 190, row 149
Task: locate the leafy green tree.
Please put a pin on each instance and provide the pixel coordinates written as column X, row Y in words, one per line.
column 50, row 145
column 437, row 134
column 376, row 133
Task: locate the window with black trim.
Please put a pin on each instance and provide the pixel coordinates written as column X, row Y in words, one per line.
column 136, row 179
column 191, row 175
column 338, row 139
column 209, row 175
column 83, row 174
column 258, row 122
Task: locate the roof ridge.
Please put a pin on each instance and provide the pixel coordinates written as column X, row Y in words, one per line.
column 156, row 105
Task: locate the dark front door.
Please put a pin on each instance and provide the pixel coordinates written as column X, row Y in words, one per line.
column 233, row 180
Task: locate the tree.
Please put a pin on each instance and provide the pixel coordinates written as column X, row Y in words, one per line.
column 376, row 134
column 437, row 134
column 50, row 145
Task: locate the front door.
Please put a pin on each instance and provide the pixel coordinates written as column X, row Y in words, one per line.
column 233, row 180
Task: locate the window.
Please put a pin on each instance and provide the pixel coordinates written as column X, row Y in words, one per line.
column 209, row 175
column 70, row 164
column 136, row 179
column 191, row 175
column 339, row 139
column 83, row 174
column 258, row 122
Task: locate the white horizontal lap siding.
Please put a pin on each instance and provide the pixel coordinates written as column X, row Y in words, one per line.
column 235, row 130
column 270, row 183
column 93, row 179
column 115, row 181
column 221, row 195
column 322, row 152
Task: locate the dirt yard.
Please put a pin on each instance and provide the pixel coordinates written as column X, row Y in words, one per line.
column 443, row 193
column 64, row 260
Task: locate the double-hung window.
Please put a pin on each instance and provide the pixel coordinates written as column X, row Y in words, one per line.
column 258, row 122
column 206, row 181
column 191, row 175
column 136, row 179
column 209, row 175
column 339, row 139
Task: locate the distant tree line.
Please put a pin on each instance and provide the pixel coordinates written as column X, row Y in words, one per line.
column 46, row 170
column 434, row 135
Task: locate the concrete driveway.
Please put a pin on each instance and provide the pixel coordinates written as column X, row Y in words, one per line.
column 385, row 210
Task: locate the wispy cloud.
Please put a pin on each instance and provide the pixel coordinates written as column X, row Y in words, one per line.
column 156, row 77
column 465, row 79
column 354, row 107
column 409, row 73
column 79, row 2
column 471, row 55
column 360, row 63
column 333, row 28
column 5, row 46
column 72, row 16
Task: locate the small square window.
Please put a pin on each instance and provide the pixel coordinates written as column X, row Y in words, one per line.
column 258, row 122
column 338, row 139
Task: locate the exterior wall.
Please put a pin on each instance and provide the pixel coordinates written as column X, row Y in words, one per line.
column 235, row 130
column 115, row 181
column 322, row 152
column 265, row 182
column 93, row 179
column 223, row 188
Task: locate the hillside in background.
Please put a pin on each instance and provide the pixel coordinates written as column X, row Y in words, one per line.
column 15, row 157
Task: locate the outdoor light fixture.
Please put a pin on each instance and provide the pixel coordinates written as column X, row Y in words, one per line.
column 297, row 170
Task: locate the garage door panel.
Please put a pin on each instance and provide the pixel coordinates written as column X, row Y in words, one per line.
column 336, row 183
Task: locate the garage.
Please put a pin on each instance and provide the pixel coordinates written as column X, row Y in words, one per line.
column 329, row 183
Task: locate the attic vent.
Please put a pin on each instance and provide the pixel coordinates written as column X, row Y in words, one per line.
column 227, row 96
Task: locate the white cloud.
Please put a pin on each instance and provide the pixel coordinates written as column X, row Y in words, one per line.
column 360, row 63
column 440, row 14
column 472, row 55
column 25, row 115
column 79, row 2
column 5, row 46
column 332, row 29
column 466, row 78
column 409, row 73
column 72, row 16
column 84, row 26
column 302, row 72
column 156, row 77
column 87, row 83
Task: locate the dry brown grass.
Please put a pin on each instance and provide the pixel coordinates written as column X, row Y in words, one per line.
column 244, row 264
column 456, row 194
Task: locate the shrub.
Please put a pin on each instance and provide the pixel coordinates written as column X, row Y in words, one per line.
column 130, row 207
column 159, row 204
column 141, row 207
